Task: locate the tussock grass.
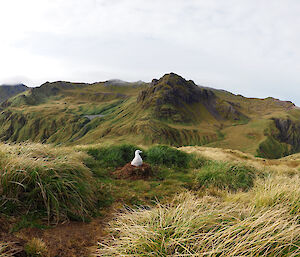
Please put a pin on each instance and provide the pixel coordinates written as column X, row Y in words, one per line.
column 279, row 190
column 118, row 155
column 54, row 180
column 113, row 156
column 225, row 175
column 36, row 248
column 191, row 226
column 284, row 166
column 271, row 192
column 168, row 156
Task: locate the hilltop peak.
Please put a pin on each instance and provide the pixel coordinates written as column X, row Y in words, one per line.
column 172, row 79
column 170, row 93
column 173, row 89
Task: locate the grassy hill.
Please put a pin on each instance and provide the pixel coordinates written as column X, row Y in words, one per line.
column 7, row 91
column 170, row 111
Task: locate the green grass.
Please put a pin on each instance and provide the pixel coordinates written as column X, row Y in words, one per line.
column 167, row 156
column 273, row 149
column 160, row 155
column 113, row 156
column 173, row 172
column 226, row 176
column 28, row 221
column 48, row 180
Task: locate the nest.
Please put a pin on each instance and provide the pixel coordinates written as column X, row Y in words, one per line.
column 134, row 173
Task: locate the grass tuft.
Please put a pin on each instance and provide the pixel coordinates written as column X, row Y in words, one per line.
column 226, row 176
column 113, row 156
column 191, row 226
column 167, row 156
column 43, row 178
column 278, row 190
column 36, row 248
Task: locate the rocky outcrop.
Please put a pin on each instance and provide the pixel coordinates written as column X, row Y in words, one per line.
column 170, row 96
column 174, row 90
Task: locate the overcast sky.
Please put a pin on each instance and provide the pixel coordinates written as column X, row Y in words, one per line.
column 251, row 47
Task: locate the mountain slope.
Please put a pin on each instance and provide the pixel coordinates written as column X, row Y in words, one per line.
column 170, row 110
column 7, row 91
column 172, row 95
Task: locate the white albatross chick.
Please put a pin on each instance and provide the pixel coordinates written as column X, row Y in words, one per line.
column 137, row 161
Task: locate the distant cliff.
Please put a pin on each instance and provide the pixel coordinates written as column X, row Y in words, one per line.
column 283, row 138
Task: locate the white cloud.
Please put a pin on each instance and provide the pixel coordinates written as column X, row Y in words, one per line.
column 249, row 47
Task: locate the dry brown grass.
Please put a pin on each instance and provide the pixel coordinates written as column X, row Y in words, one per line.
column 36, row 247
column 287, row 165
column 191, row 226
column 3, row 250
column 8, row 249
column 272, row 192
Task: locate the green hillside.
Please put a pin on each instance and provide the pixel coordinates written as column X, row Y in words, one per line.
column 7, row 91
column 80, row 196
column 170, row 110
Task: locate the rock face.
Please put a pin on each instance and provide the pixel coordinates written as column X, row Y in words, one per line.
column 134, row 173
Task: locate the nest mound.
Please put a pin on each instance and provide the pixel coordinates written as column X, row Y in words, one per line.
column 133, row 173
